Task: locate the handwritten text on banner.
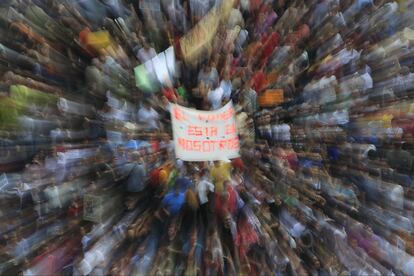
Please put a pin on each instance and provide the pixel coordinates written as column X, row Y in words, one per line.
column 204, row 135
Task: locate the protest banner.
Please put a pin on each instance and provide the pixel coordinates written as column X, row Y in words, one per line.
column 204, row 135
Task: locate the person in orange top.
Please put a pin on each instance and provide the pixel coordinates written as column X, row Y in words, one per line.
column 25, row 29
column 251, row 51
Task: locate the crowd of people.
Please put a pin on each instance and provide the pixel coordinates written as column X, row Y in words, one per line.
column 90, row 183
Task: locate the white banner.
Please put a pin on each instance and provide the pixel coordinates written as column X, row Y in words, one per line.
column 204, row 135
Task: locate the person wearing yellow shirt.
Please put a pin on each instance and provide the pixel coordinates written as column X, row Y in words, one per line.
column 219, row 173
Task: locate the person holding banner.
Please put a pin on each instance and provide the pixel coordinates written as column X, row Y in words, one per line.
column 215, row 97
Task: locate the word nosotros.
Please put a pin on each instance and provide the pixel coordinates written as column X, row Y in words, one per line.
column 208, row 146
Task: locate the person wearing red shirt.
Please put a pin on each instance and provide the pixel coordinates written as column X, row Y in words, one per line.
column 75, row 209
column 171, row 94
column 83, row 39
column 270, row 41
column 258, row 81
column 238, row 164
column 226, row 201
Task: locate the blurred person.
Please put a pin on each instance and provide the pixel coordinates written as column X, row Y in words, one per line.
column 146, row 53
column 148, row 116
column 249, row 98
column 198, row 9
column 215, row 98
column 226, row 86
column 208, row 75
column 174, row 201
column 219, row 173
column 204, row 188
column 235, row 18
column 136, row 173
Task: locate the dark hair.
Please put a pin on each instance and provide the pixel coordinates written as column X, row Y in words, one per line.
column 307, row 239
column 372, row 154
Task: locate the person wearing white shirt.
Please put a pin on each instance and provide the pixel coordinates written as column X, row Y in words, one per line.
column 409, row 266
column 341, row 117
column 146, row 53
column 148, row 116
column 215, row 98
column 348, row 54
column 208, row 75
column 367, row 80
column 297, row 230
column 394, row 133
column 203, row 187
column 284, row 134
column 227, row 86
column 276, row 132
column 53, row 196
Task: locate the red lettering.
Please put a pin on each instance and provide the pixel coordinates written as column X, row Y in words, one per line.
column 181, row 143
column 194, row 131
column 213, row 143
column 197, row 145
column 231, row 129
column 210, row 131
column 206, row 149
column 227, row 114
column 188, row 145
column 208, row 146
column 233, row 143
column 178, row 114
column 222, row 144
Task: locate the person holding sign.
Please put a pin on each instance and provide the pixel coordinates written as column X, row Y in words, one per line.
column 215, row 97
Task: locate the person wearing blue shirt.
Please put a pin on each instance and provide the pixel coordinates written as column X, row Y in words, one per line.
column 173, row 201
column 183, row 184
column 133, row 144
column 145, row 255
